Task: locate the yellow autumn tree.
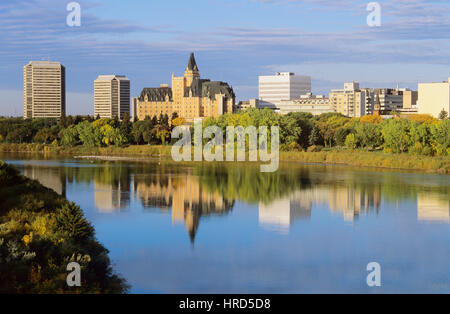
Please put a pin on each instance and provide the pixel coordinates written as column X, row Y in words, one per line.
column 371, row 119
column 178, row 121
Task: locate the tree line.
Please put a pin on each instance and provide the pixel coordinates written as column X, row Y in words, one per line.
column 299, row 131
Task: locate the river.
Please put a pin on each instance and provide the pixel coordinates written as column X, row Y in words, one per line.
column 228, row 228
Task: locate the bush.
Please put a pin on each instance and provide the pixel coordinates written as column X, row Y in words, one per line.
column 315, row 148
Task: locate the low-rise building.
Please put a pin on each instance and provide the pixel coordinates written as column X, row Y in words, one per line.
column 247, row 104
column 314, row 104
column 355, row 102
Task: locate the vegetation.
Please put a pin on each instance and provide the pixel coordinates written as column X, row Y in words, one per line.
column 40, row 233
column 418, row 135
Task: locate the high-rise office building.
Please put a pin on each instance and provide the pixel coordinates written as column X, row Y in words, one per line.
column 111, row 96
column 44, row 89
column 283, row 86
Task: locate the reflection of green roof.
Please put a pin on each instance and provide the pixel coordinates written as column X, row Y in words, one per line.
column 156, row 94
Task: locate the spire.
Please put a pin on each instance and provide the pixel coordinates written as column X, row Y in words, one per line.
column 192, row 65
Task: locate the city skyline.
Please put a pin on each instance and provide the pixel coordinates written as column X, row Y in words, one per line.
column 330, row 42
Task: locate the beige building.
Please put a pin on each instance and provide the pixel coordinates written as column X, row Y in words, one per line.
column 434, row 97
column 44, row 90
column 350, row 101
column 111, row 96
column 355, row 102
column 190, row 97
column 314, row 104
column 410, row 99
column 247, row 104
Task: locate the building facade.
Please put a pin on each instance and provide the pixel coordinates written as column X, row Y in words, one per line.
column 247, row 104
column 355, row 102
column 282, row 86
column 433, row 98
column 111, row 96
column 190, row 97
column 314, row 104
column 350, row 101
column 44, row 89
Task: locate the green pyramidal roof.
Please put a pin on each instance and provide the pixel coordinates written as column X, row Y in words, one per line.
column 192, row 65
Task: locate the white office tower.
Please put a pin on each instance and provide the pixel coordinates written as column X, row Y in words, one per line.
column 44, row 90
column 111, row 96
column 283, row 86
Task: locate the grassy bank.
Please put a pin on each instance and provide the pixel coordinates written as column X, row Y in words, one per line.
column 360, row 158
column 40, row 234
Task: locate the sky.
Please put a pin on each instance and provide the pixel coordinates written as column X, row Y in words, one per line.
column 233, row 41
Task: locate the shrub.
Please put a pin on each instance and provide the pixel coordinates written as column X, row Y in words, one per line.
column 350, row 141
column 314, row 148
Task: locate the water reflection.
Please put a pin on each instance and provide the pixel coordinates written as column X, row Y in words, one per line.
column 183, row 194
column 289, row 195
column 302, row 229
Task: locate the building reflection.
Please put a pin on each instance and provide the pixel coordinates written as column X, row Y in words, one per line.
column 50, row 177
column 111, row 197
column 184, row 195
column 349, row 201
column 433, row 207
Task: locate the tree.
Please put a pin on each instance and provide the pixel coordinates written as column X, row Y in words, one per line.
column 340, row 135
column 112, row 136
column 126, row 126
column 69, row 136
column 290, row 130
column 89, row 135
column 137, row 131
column 443, row 115
column 350, row 141
column 440, row 137
column 298, row 125
column 314, row 138
column 178, row 122
column 396, row 135
column 71, row 223
column 368, row 134
column 44, row 136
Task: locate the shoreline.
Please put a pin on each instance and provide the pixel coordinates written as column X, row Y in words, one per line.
column 353, row 158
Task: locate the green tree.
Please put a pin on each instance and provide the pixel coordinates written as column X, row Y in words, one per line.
column 340, row 135
column 69, row 136
column 72, row 224
column 89, row 136
column 350, row 141
column 368, row 134
column 396, row 135
column 440, row 137
column 126, row 126
column 443, row 115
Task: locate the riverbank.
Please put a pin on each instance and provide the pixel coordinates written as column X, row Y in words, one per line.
column 357, row 158
column 40, row 234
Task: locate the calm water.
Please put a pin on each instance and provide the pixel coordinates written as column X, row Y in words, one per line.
column 214, row 228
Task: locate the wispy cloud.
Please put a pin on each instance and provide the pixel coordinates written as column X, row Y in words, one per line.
column 412, row 32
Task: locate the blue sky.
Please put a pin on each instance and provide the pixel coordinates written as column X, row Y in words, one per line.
column 234, row 41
